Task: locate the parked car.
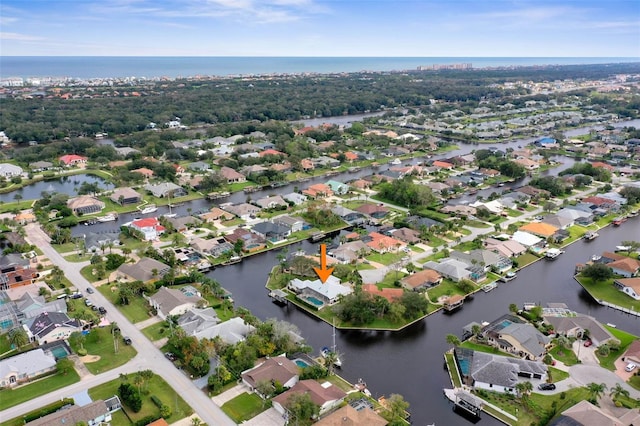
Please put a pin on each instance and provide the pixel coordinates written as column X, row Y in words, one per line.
column 102, row 310
column 546, row 387
column 170, row 356
column 588, row 343
column 88, row 302
column 90, row 290
column 76, row 295
column 630, row 367
column 127, row 340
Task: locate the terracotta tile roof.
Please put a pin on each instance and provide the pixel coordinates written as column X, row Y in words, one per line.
column 539, row 228
column 390, row 294
column 443, row 164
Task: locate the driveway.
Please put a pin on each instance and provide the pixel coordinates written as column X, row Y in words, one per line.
column 585, row 374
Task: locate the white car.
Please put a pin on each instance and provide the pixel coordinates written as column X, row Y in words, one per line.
column 630, row 367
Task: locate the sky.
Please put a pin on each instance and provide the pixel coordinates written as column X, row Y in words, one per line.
column 401, row 28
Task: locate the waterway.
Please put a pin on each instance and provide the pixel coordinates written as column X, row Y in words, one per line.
column 410, row 362
column 65, row 185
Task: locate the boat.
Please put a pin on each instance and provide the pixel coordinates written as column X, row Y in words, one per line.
column 170, row 215
column 232, row 260
column 108, row 218
column 326, row 351
column 217, row 195
column 590, row 236
column 318, row 236
column 552, row 253
column 508, row 277
column 362, row 387
column 250, row 189
column 488, row 287
column 623, row 248
column 150, row 208
column 396, row 162
column 633, row 213
column 619, row 221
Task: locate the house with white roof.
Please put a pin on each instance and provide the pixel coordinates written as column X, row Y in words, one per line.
column 526, row 239
column 9, row 170
column 25, row 366
column 453, row 269
column 315, row 291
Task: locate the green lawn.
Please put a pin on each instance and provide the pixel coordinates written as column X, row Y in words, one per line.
column 156, row 331
column 526, row 259
column 244, row 407
column 11, row 397
column 564, row 355
column 137, row 310
column 101, row 342
column 156, row 386
column 446, row 288
column 386, row 258
column 451, row 365
column 634, row 381
column 556, row 375
column 605, row 290
column 625, row 340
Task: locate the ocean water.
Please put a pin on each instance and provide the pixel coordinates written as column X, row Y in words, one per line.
column 173, row 67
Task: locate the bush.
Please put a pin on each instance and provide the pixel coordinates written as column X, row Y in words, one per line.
column 165, row 411
column 146, row 420
column 130, row 396
column 51, row 408
column 81, row 352
column 156, row 401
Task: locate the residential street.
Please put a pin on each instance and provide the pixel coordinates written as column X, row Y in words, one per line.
column 149, row 357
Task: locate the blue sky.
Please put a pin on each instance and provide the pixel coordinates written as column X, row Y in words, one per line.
column 421, row 28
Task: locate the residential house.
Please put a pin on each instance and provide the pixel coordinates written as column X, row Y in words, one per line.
column 601, row 203
column 232, row 176
column 93, row 414
column 145, row 269
column 273, row 152
column 326, row 396
column 443, row 165
column 575, row 325
column 25, row 366
column 94, row 241
column 147, row 173
column 24, row 217
column 30, row 306
column 171, row 302
column 632, row 353
column 526, row 239
column 85, row 204
column 183, row 223
column 165, row 189
column 620, row 265
column 124, row 196
column 196, row 320
column 250, row 240
column 126, row 150
column 382, row 243
column 374, row 210
column 199, row 166
column 577, row 216
column 534, row 192
column 283, row 167
column 40, row 166
column 459, row 210
column 350, row 252
column 498, row 373
column 585, row 413
column 271, row 231
column 453, row 269
column 507, row 248
column 318, row 190
column 8, row 170
column 560, row 222
column 484, row 258
column 360, row 184
column 327, row 293
column 15, row 271
column 391, row 294
column 295, row 224
column 255, row 169
column 271, row 202
column 407, row 235
column 216, row 213
column 244, row 211
column 527, row 163
column 230, row 332
column 338, row 188
column 543, row 230
column 510, row 334
column 277, row 369
column 629, row 286
column 352, row 217
column 149, row 227
column 349, row 416
column 72, row 160
column 306, row 165
column 421, row 280
column 215, row 247
column 295, row 198
column 324, row 161
column 51, row 326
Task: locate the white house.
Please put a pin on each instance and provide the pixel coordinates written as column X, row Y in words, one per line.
column 25, row 366
column 9, row 170
column 318, row 293
column 169, row 302
column 629, row 286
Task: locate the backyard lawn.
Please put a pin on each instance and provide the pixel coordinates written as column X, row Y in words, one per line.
column 564, row 355
column 526, row 259
column 446, row 288
column 244, row 407
column 137, row 310
column 156, row 386
column 100, row 342
column 156, row 331
column 625, row 340
column 605, row 290
column 11, row 397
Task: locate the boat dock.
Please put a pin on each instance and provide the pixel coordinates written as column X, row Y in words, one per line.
column 279, row 296
column 465, row 401
column 488, row 287
column 453, row 302
column 318, row 236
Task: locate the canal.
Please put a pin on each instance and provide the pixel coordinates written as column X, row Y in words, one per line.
column 410, row 362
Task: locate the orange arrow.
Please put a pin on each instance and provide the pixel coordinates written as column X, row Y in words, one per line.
column 322, row 271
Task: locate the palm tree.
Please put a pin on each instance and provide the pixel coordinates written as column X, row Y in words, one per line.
column 453, row 340
column 596, row 390
column 617, row 391
column 18, row 337
column 523, row 389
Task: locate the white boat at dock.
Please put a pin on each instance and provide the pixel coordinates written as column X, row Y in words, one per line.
column 396, row 162
column 508, row 277
column 488, row 287
column 108, row 218
column 552, row 253
column 150, row 208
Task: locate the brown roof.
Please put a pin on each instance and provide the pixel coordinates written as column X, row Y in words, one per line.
column 633, row 283
column 626, row 264
column 159, row 422
column 419, row 278
column 319, row 394
column 349, row 416
column 390, row 294
column 279, row 368
column 371, row 208
column 633, row 350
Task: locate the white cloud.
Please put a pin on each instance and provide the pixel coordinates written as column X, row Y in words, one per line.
column 6, row 20
column 18, row 37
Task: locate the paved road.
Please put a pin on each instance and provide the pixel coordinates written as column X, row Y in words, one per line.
column 149, row 357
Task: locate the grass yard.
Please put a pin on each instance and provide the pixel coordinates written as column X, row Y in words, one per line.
column 137, row 310
column 564, row 355
column 156, row 331
column 390, row 279
column 453, row 371
column 625, row 340
column 605, row 290
column 556, row 375
column 156, row 386
column 244, row 407
column 526, row 259
column 386, row 258
column 634, row 381
column 100, row 342
column 446, row 288
column 11, row 397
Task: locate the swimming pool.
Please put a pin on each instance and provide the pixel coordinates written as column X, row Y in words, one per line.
column 300, row 363
column 314, row 301
column 59, row 352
